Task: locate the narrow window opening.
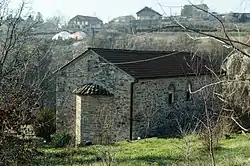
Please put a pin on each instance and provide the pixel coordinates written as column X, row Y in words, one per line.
column 170, row 98
column 188, row 96
column 171, row 90
column 188, row 91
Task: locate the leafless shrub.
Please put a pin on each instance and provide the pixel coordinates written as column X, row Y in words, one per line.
column 107, row 157
column 105, row 124
column 22, row 75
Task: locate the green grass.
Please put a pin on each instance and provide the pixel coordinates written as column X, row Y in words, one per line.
column 154, row 151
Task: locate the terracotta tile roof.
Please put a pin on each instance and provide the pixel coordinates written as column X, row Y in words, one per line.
column 154, row 64
column 91, row 89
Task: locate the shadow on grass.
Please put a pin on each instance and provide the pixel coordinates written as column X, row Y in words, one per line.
column 83, row 157
column 90, row 158
column 144, row 159
column 72, row 152
column 65, row 157
column 234, row 151
column 159, row 160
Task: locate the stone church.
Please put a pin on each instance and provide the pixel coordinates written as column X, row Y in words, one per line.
column 108, row 95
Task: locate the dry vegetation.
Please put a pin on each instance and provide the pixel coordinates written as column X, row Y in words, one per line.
column 20, row 90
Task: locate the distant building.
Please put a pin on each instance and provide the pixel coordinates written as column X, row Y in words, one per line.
column 124, row 20
column 237, row 17
column 193, row 12
column 148, row 14
column 147, row 18
column 81, row 22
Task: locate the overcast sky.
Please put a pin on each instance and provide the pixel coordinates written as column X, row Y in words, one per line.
column 108, row 9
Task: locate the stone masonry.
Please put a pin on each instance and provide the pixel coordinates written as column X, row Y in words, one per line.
column 152, row 109
column 157, row 103
column 92, row 68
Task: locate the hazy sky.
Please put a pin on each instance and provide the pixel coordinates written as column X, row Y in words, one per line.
column 108, row 9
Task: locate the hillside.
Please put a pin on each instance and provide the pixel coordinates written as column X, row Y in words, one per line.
column 64, row 51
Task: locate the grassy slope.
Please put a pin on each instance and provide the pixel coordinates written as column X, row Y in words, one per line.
column 153, row 151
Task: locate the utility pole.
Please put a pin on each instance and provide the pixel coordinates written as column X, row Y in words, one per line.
column 93, row 35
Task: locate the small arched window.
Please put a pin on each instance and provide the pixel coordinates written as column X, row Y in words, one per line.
column 171, row 96
column 188, row 91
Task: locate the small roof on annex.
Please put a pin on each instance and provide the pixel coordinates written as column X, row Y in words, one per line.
column 151, row 64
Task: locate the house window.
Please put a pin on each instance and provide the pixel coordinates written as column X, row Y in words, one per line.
column 86, row 23
column 171, row 95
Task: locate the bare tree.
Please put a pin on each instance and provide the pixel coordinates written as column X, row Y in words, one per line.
column 59, row 21
column 149, row 114
column 105, row 124
column 39, row 18
column 233, row 87
column 22, row 75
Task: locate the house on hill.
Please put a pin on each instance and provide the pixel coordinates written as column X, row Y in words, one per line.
column 122, row 20
column 148, row 14
column 191, row 11
column 107, row 95
column 237, row 17
column 81, row 22
column 147, row 18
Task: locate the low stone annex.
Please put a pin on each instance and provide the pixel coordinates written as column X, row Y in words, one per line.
column 108, row 95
